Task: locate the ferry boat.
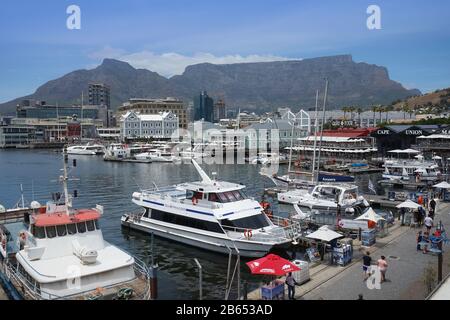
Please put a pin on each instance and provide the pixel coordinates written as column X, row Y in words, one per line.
column 405, row 168
column 212, row 215
column 91, row 150
column 58, row 252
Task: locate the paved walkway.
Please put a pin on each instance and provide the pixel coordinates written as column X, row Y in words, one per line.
column 404, row 275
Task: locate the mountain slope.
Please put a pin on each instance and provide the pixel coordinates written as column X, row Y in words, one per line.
column 258, row 86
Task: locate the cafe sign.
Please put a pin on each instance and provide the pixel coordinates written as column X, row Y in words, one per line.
column 414, row 132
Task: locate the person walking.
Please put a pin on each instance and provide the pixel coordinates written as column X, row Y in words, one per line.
column 291, row 283
column 432, row 207
column 382, row 266
column 367, row 261
column 428, row 222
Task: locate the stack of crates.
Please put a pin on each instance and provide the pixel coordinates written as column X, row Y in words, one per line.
column 368, row 237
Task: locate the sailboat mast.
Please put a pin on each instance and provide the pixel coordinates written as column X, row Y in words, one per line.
column 316, row 122
column 67, row 199
column 321, row 128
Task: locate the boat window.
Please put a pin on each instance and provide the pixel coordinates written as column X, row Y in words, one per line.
column 61, row 229
column 97, row 225
column 71, row 228
column 146, row 213
column 189, row 194
column 252, row 222
column 81, row 227
column 230, row 196
column 222, row 197
column 90, row 225
column 213, row 197
column 186, row 221
column 237, row 195
column 38, row 232
column 51, row 231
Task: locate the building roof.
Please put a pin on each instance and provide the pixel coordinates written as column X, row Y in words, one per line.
column 347, row 133
column 149, row 117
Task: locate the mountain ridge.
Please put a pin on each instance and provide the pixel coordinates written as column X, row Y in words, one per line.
column 257, row 86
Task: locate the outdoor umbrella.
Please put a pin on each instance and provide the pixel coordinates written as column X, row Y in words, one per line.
column 442, row 185
column 324, row 234
column 272, row 265
column 408, row 204
column 370, row 215
column 437, row 158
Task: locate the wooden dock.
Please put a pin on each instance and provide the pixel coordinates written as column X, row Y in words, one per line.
column 381, row 201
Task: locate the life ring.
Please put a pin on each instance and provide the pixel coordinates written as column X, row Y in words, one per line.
column 248, row 233
column 194, row 201
column 285, row 222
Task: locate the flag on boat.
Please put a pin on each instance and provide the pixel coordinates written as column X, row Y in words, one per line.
column 372, row 187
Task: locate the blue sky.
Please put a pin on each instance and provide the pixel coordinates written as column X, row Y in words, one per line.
column 165, row 36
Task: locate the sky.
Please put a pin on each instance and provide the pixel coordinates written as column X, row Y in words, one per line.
column 167, row 35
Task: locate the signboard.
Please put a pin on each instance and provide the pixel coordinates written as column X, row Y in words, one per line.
column 343, row 123
column 353, row 224
column 383, row 132
column 414, row 132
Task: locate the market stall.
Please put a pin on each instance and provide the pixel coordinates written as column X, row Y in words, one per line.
column 272, row 265
column 326, row 236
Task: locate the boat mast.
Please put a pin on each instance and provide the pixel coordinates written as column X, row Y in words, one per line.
column 316, row 122
column 321, row 128
column 64, row 178
column 23, row 200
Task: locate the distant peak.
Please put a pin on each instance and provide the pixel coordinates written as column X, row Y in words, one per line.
column 115, row 63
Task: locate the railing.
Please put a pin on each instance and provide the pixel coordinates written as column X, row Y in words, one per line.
column 286, row 229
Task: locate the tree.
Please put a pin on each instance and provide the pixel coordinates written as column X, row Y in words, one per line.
column 359, row 110
column 387, row 109
column 345, row 110
column 374, row 110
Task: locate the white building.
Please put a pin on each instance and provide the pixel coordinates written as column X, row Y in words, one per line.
column 136, row 125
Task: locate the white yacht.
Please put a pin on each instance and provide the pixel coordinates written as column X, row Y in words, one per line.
column 265, row 158
column 91, row 150
column 117, row 151
column 58, row 252
column 403, row 167
column 210, row 214
column 156, row 155
column 327, row 197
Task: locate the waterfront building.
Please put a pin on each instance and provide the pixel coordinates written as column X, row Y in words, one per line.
column 437, row 143
column 42, row 110
column 99, row 95
column 12, row 136
column 203, row 107
column 260, row 133
column 112, row 134
column 160, row 126
column 341, row 145
column 155, row 106
column 401, row 136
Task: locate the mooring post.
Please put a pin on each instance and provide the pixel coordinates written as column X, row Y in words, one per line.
column 200, row 278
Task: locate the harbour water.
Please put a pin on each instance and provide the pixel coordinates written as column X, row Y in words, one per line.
column 111, row 184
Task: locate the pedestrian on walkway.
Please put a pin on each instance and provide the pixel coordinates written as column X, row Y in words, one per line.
column 291, row 283
column 419, row 240
column 428, row 223
column 367, row 261
column 382, row 266
column 433, row 204
column 422, row 214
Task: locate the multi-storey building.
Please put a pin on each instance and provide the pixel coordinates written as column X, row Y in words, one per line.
column 99, row 95
column 155, row 106
column 203, row 107
column 162, row 125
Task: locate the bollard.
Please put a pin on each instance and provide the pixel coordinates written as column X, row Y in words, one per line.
column 154, row 282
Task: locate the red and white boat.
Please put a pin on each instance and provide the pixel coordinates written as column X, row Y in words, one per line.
column 58, row 252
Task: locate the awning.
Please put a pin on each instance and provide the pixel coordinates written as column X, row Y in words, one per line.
column 324, row 234
column 370, row 215
column 442, row 185
column 408, row 204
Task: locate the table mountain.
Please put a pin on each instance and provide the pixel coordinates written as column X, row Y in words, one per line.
column 259, row 86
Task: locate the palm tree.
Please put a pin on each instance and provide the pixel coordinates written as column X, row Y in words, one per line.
column 387, row 109
column 380, row 110
column 359, row 110
column 345, row 110
column 351, row 110
column 374, row 110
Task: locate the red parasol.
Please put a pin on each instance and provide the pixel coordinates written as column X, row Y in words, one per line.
column 272, row 265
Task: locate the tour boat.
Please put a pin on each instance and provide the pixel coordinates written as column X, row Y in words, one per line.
column 58, row 252
column 405, row 168
column 91, row 150
column 210, row 214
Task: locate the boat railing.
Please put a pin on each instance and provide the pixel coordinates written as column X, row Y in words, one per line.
column 25, row 286
column 286, row 229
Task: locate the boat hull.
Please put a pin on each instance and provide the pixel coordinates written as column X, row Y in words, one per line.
column 202, row 241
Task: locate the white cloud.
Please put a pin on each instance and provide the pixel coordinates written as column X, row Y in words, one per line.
column 171, row 63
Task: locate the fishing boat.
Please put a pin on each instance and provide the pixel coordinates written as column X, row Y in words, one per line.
column 210, row 214
column 58, row 252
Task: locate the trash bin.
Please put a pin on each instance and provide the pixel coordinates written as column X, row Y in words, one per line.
column 301, row 276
